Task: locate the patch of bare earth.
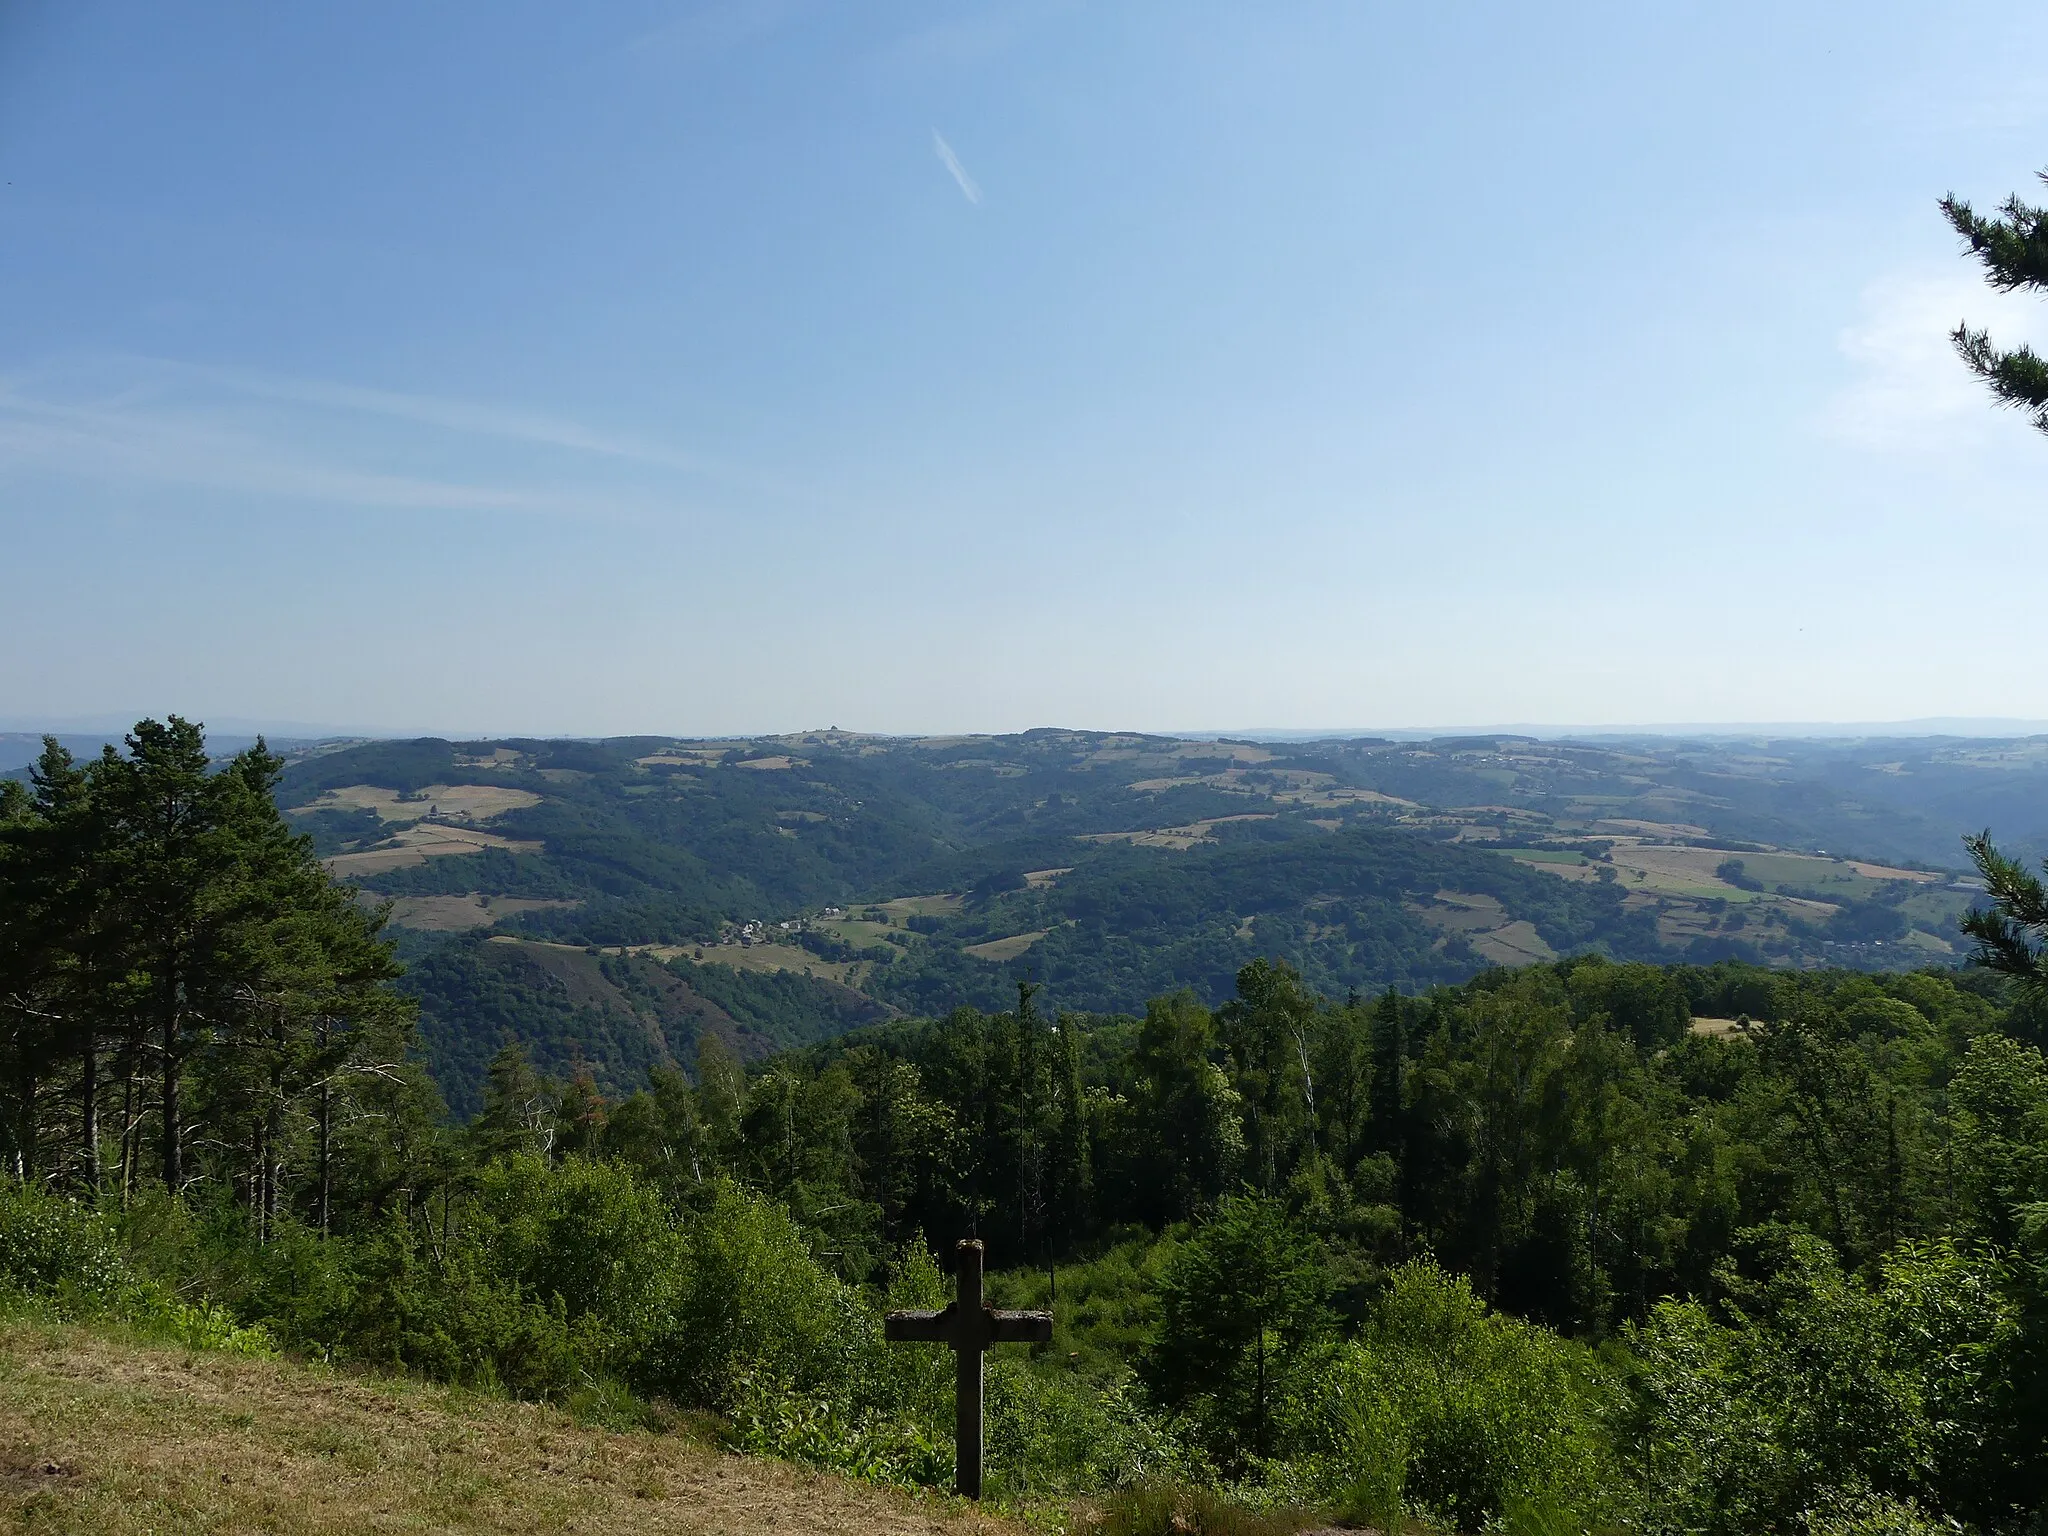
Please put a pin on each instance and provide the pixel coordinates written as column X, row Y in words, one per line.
column 103, row 1437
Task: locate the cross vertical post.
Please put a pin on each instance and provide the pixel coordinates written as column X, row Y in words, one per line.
column 967, row 1377
column 969, row 1326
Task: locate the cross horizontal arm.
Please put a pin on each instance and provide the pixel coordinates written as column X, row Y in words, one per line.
column 918, row 1327
column 1020, row 1327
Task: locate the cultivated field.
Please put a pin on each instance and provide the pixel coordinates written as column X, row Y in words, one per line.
column 740, row 957
column 453, row 802
column 999, row 951
column 1484, row 924
column 1179, row 838
column 459, row 914
column 420, row 842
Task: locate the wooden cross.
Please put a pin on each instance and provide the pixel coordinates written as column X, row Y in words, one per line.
column 970, row 1325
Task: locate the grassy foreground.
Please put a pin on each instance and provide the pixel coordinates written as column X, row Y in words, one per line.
column 101, row 1434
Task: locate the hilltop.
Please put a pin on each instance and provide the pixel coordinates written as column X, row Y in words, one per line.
column 608, row 902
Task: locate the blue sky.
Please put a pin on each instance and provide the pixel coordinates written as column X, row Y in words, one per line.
column 768, row 365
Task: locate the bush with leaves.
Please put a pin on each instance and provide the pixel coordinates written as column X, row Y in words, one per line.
column 1825, row 1393
column 51, row 1247
column 1242, row 1309
column 1457, row 1414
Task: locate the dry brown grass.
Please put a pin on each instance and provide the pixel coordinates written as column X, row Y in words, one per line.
column 458, row 914
column 421, row 842
column 469, row 802
column 1719, row 1029
column 998, row 951
column 740, row 957
column 105, row 1437
column 1485, row 924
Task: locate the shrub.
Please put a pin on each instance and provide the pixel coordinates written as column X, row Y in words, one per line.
column 1832, row 1400
column 1466, row 1417
column 54, row 1247
column 751, row 1304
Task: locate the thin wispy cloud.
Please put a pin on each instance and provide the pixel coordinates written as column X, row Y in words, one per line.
column 438, row 411
column 1910, row 392
column 127, row 442
column 152, row 421
column 969, row 188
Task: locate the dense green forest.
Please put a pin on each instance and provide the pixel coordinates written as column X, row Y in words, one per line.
column 746, row 888
column 1584, row 1244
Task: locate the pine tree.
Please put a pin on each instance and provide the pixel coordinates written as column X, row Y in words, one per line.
column 2013, row 246
column 1389, row 1073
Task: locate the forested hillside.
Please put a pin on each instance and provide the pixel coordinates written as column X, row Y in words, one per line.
column 1582, row 1245
column 922, row 874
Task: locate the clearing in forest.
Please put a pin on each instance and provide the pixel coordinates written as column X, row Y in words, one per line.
column 999, row 951
column 459, row 914
column 420, row 842
column 457, row 802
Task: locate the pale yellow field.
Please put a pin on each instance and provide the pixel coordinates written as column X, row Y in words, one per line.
column 468, row 802
column 997, row 951
column 1719, row 1028
column 497, row 757
column 1038, row 879
column 1173, row 837
column 1516, row 943
column 1627, row 827
column 683, row 756
column 423, row 841
column 740, row 957
column 1484, row 924
column 457, row 914
column 918, row 906
column 1338, row 794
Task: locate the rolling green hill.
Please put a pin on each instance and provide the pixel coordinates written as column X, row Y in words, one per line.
column 829, row 878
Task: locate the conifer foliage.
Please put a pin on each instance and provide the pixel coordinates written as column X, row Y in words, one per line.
column 2013, row 245
column 185, row 995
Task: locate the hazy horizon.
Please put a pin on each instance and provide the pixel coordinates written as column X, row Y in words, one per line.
column 1984, row 728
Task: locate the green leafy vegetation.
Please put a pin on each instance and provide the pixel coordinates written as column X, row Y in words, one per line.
column 931, row 874
column 1585, row 1244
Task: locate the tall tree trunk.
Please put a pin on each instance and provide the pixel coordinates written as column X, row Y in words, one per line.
column 326, row 1146
column 326, row 1152
column 89, row 1108
column 173, row 1129
column 128, row 1124
column 24, row 1127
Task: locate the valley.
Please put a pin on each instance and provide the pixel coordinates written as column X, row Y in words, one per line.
column 830, row 875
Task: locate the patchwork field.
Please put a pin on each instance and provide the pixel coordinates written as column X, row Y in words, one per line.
column 420, row 842
column 740, row 957
column 1484, row 924
column 457, row 802
column 459, row 914
column 1000, row 951
column 1181, row 838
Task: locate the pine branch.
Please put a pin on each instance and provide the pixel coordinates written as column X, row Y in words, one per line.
column 2010, row 931
column 2013, row 246
column 2018, row 378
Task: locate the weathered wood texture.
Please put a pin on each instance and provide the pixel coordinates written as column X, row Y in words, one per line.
column 970, row 1325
